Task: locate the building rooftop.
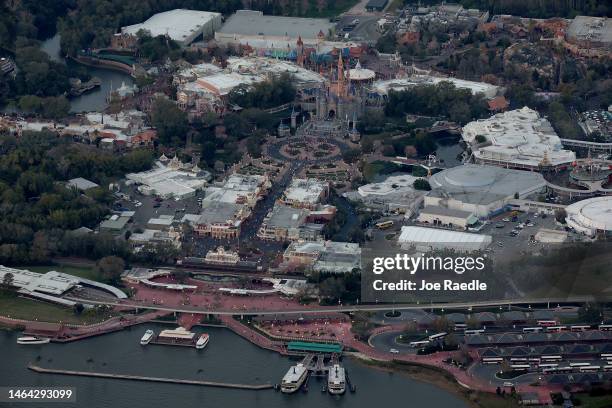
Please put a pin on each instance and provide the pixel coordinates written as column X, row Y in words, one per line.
column 250, row 22
column 179, row 24
column 114, row 223
column 519, row 137
column 480, row 184
column 81, row 184
column 449, row 212
column 591, row 214
column 218, row 212
column 283, row 216
column 305, row 190
column 383, row 87
column 593, row 29
column 170, row 180
column 434, row 236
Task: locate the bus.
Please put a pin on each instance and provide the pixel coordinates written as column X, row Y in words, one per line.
column 589, row 369
column 606, row 356
column 548, row 365
column 437, row 336
column 384, row 225
column 418, row 343
column 607, row 368
column 605, row 327
column 584, row 364
column 520, row 367
column 545, row 323
column 555, row 329
column 517, row 359
column 551, row 358
column 580, row 328
column 532, row 329
column 460, row 326
column 492, row 360
column 473, row 331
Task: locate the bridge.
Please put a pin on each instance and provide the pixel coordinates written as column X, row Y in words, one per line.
column 597, row 146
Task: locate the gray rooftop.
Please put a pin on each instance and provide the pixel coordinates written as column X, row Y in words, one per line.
column 449, row 212
column 286, row 217
column 596, row 29
column 249, row 22
column 218, row 212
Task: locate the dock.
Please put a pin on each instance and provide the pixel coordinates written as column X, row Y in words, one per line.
column 253, row 387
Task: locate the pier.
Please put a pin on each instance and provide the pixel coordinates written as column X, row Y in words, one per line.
column 253, row 387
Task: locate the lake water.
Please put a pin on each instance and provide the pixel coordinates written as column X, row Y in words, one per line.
column 95, row 100
column 227, row 358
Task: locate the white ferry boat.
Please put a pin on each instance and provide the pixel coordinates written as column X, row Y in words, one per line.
column 202, row 341
column 147, row 337
column 32, row 340
column 293, row 380
column 336, row 379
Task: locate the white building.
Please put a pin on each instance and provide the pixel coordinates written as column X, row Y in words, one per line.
column 481, row 190
column 170, row 179
column 395, row 193
column 591, row 217
column 305, row 193
column 425, row 239
column 323, row 256
column 383, row 87
column 517, row 139
column 253, row 27
column 182, row 26
column 447, row 217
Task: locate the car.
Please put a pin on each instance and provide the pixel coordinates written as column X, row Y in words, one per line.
column 530, row 224
column 506, row 220
column 520, row 226
column 138, row 204
column 499, row 225
column 536, row 215
column 508, row 384
column 394, row 351
column 500, row 244
column 156, row 205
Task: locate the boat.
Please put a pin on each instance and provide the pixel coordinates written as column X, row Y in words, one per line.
column 202, row 341
column 32, row 340
column 294, row 378
column 147, row 337
column 336, row 379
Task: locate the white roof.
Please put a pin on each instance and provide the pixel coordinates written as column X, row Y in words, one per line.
column 425, row 235
column 305, row 190
column 178, row 24
column 81, row 183
column 384, row 86
column 294, row 374
column 593, row 213
column 520, row 137
column 390, row 185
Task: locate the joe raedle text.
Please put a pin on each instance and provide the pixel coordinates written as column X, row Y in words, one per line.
column 427, row 273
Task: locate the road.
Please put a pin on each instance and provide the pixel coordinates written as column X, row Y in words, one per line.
column 344, row 309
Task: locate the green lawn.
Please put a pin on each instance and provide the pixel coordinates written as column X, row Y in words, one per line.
column 28, row 309
column 80, row 271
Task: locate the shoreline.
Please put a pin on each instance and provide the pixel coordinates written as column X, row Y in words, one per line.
column 434, row 376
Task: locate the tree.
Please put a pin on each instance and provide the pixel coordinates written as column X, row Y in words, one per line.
column 560, row 215
column 7, row 280
column 171, row 122
column 110, row 268
column 422, row 184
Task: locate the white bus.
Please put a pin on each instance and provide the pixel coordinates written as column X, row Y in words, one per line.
column 584, row 364
column 605, row 327
column 460, row 326
column 551, row 358
column 580, row 328
column 437, row 336
column 555, row 329
column 473, row 331
column 606, row 356
column 545, row 323
column 589, row 369
column 517, row 359
column 548, row 365
column 418, row 343
column 532, row 329
column 607, row 367
column 520, row 367
column 492, row 360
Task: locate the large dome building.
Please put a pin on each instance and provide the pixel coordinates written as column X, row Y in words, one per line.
column 591, row 217
column 481, row 190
